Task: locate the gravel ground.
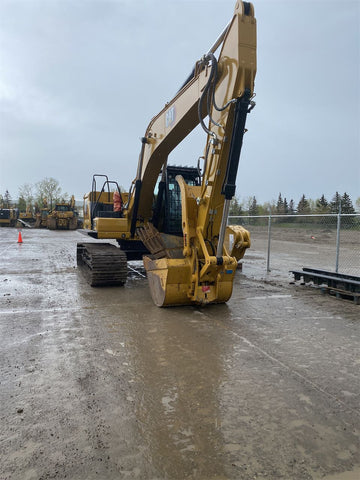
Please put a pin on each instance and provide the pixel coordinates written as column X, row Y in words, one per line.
column 101, row 384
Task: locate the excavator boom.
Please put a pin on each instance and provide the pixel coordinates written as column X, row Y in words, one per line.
column 194, row 266
column 236, row 68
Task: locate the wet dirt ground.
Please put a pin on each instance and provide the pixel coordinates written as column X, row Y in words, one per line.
column 101, row 384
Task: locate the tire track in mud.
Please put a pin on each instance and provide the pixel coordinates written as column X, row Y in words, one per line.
column 279, row 293
column 289, row 369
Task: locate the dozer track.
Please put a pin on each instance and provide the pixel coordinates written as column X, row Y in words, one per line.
column 102, row 264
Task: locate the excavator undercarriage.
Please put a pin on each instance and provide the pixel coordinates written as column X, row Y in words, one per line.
column 102, row 264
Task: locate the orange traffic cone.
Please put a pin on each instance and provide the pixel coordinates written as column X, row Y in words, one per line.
column 20, row 238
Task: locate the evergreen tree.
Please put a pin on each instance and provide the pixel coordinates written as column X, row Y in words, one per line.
column 235, row 207
column 253, row 208
column 7, row 199
column 303, row 207
column 280, row 205
column 346, row 204
column 335, row 203
column 322, row 205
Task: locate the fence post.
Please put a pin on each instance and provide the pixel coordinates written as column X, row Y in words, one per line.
column 338, row 240
column 269, row 243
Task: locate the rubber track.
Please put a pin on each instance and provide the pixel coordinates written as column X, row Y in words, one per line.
column 102, row 264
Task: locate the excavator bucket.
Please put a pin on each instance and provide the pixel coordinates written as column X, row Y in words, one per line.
column 168, row 280
column 172, row 282
column 176, row 280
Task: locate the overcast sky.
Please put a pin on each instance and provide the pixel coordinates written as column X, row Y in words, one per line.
column 81, row 79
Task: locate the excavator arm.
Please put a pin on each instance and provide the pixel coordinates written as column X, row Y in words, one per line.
column 228, row 78
column 221, row 89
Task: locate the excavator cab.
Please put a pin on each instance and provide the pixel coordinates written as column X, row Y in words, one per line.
column 100, row 203
column 167, row 206
column 166, row 211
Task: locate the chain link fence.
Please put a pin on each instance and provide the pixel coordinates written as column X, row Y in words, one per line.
column 286, row 242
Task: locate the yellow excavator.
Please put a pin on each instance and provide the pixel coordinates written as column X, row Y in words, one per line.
column 178, row 225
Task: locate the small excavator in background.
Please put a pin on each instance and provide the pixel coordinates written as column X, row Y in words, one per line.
column 175, row 218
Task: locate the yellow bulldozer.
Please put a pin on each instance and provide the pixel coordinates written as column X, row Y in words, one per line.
column 63, row 216
column 175, row 218
column 9, row 217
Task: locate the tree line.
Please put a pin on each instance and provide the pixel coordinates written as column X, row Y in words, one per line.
column 45, row 193
column 305, row 206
